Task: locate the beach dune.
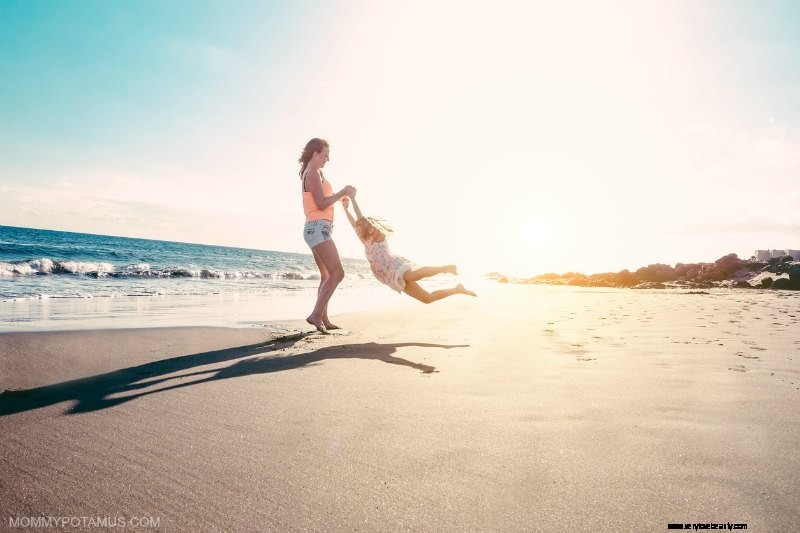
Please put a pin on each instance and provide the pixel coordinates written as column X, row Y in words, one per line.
column 529, row 408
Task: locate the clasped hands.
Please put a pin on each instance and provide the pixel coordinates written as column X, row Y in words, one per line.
column 349, row 192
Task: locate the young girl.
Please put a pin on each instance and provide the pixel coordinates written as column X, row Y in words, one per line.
column 392, row 270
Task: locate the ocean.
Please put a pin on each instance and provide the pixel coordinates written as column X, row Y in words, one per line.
column 63, row 280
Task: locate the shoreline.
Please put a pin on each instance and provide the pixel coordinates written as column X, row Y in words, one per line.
column 244, row 310
column 232, row 310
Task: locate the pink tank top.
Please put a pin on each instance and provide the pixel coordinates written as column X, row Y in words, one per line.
column 310, row 206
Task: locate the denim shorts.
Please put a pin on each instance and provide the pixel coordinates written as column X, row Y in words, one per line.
column 317, row 231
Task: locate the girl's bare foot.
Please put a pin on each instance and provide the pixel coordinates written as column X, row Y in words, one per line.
column 460, row 288
column 451, row 269
column 317, row 324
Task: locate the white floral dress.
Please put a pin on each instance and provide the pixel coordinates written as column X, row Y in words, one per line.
column 387, row 268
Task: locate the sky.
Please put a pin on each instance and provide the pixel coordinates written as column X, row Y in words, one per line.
column 520, row 137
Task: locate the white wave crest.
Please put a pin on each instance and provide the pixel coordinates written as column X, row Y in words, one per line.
column 74, row 267
column 48, row 266
column 136, row 268
column 38, row 266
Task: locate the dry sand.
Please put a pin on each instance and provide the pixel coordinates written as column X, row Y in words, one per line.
column 527, row 409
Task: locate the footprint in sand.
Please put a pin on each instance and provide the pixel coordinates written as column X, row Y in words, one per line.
column 742, row 354
column 738, row 368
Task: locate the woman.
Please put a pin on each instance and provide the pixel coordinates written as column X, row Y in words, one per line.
column 318, row 202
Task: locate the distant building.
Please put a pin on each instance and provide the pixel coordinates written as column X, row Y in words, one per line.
column 766, row 255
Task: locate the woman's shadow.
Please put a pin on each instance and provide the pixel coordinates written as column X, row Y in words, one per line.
column 103, row 390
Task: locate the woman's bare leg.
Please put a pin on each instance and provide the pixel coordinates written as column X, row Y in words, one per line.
column 414, row 290
column 427, row 272
column 329, row 257
column 323, row 275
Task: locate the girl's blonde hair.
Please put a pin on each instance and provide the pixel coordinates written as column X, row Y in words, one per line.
column 366, row 226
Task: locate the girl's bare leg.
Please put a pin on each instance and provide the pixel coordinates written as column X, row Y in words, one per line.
column 414, row 290
column 329, row 257
column 323, row 275
column 427, row 272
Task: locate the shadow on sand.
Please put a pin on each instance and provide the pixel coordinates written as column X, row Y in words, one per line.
column 95, row 392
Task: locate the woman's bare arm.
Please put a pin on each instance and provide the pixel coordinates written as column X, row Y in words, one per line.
column 314, row 184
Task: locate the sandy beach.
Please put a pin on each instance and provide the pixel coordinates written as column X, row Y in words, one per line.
column 529, row 408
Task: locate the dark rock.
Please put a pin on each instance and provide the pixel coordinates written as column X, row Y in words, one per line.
column 656, row 273
column 579, row 280
column 782, row 284
column 626, row 279
column 724, row 268
column 726, row 272
column 794, row 273
column 688, row 271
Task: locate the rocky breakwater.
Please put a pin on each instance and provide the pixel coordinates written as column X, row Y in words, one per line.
column 728, row 271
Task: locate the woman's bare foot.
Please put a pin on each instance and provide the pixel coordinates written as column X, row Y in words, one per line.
column 451, row 269
column 327, row 322
column 317, row 324
column 460, row 288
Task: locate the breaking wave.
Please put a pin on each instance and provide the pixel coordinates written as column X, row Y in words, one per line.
column 46, row 266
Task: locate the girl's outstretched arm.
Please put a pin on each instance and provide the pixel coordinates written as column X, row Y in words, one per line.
column 356, row 209
column 346, row 204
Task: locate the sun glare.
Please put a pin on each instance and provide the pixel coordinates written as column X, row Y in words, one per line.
column 535, row 233
column 529, row 242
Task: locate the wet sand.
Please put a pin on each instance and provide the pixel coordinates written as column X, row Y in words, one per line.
column 526, row 409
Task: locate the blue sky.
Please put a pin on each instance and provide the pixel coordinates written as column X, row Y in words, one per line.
column 555, row 136
column 122, row 79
